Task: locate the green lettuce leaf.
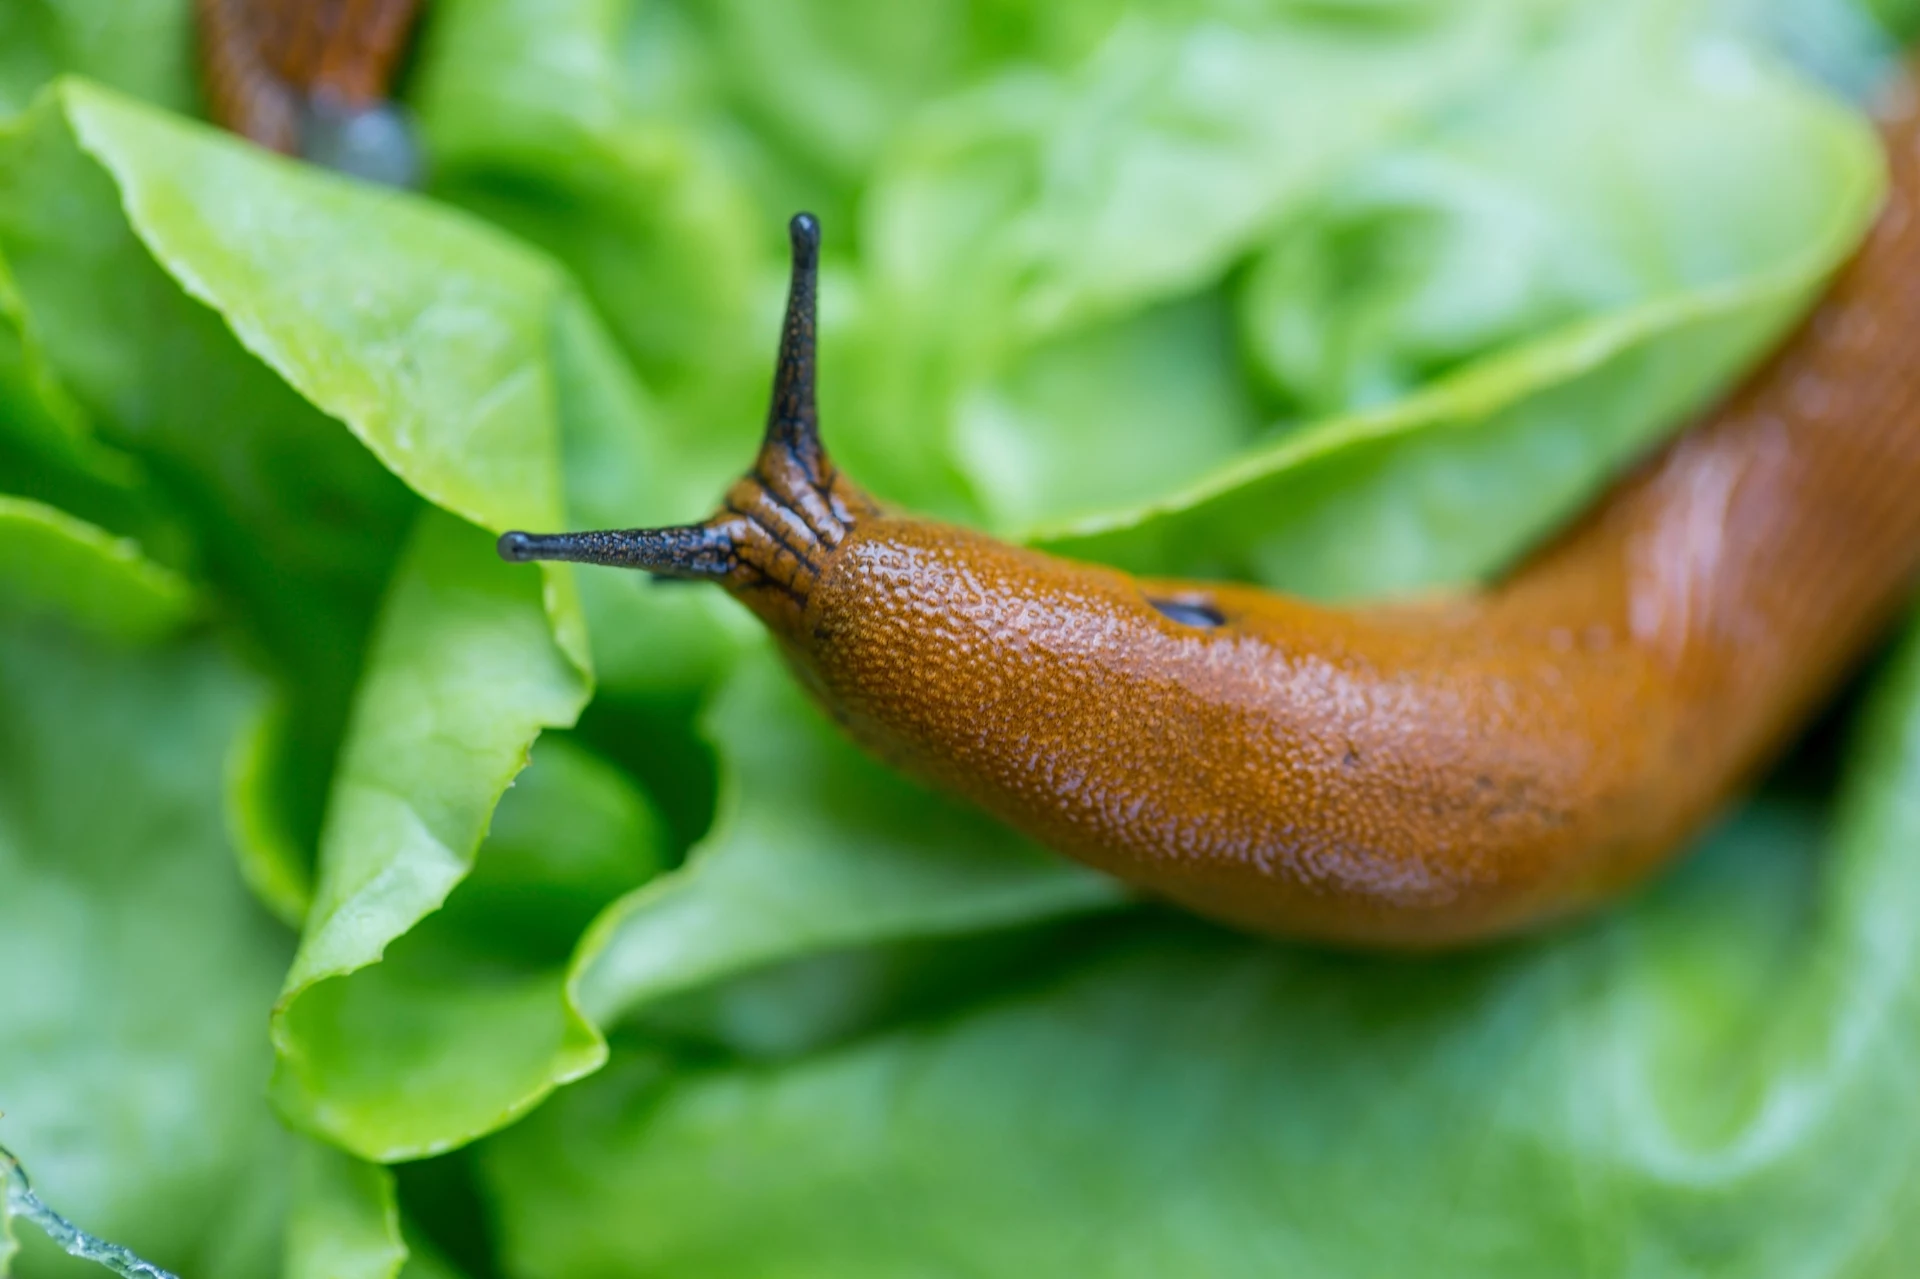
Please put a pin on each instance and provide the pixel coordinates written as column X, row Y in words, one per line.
column 536, row 121
column 48, row 449
column 56, row 565
column 344, row 1222
column 442, row 313
column 453, row 357
column 827, row 81
column 1548, row 198
column 1053, row 197
column 1111, row 414
column 463, row 674
column 137, row 970
column 1647, row 266
column 289, row 520
column 1450, row 485
column 142, row 47
column 1043, row 199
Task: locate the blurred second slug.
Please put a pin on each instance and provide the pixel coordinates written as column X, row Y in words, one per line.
column 312, row 78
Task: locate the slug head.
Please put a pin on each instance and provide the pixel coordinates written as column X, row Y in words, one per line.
column 780, row 522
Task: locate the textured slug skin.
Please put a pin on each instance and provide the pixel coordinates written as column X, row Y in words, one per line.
column 1400, row 776
column 260, row 58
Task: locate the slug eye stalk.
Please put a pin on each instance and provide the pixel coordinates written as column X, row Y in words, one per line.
column 693, row 551
column 779, row 521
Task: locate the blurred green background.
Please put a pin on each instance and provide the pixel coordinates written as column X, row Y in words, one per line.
column 301, row 973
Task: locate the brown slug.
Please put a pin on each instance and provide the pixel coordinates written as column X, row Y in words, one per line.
column 1409, row 775
column 311, row 78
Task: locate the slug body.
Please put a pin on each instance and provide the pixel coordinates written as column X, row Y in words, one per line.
column 311, row 78
column 1400, row 776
